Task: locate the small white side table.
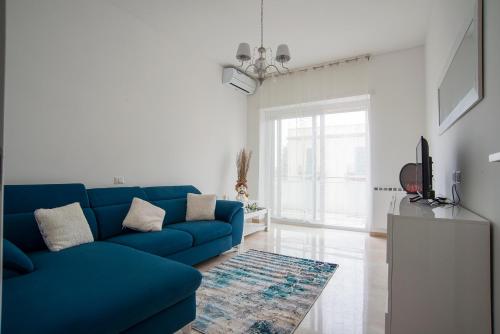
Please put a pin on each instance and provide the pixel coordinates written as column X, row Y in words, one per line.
column 251, row 227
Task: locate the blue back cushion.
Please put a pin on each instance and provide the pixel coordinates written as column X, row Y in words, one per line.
column 172, row 199
column 169, row 192
column 175, row 210
column 20, row 202
column 111, row 205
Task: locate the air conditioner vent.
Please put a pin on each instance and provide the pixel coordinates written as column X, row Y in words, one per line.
column 239, row 80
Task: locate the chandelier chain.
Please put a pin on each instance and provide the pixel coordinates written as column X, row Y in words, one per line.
column 262, row 23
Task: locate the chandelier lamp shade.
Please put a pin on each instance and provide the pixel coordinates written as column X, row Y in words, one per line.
column 243, row 53
column 260, row 65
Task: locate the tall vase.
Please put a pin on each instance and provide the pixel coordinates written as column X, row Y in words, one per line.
column 241, row 192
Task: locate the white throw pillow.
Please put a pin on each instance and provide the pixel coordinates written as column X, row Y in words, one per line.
column 63, row 227
column 200, row 207
column 144, row 216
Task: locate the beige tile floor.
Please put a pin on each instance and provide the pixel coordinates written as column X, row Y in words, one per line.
column 354, row 301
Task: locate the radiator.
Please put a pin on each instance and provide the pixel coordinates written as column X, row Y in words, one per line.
column 381, row 198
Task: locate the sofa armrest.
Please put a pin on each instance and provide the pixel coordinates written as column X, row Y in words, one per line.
column 231, row 212
column 225, row 210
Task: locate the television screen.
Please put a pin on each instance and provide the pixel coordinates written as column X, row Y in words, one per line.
column 424, row 170
column 418, row 169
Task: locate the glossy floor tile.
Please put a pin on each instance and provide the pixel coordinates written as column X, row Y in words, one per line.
column 354, row 301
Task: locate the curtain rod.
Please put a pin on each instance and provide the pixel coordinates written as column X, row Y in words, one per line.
column 323, row 65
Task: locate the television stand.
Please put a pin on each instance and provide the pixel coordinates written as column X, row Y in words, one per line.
column 439, row 269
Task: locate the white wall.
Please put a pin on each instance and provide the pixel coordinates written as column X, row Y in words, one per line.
column 397, row 115
column 466, row 145
column 93, row 92
column 396, row 83
column 397, row 120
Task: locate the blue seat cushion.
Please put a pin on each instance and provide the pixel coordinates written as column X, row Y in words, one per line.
column 203, row 231
column 99, row 287
column 8, row 273
column 15, row 259
column 162, row 243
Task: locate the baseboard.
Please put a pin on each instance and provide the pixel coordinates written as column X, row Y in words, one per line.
column 382, row 235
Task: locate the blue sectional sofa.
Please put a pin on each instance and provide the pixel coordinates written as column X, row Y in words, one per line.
column 125, row 281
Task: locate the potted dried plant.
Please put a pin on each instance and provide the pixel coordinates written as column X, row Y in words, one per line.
column 242, row 165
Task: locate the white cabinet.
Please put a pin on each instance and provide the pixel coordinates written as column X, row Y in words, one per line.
column 439, row 270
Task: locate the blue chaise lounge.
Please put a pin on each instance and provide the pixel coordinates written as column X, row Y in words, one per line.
column 124, row 281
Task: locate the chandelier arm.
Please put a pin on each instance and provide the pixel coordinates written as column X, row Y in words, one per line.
column 250, row 65
column 276, row 68
column 286, row 68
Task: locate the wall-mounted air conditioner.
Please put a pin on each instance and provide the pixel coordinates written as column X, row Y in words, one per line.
column 242, row 82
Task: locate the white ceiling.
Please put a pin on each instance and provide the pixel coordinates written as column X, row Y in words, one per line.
column 315, row 30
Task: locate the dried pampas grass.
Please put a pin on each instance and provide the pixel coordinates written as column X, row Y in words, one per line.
column 243, row 164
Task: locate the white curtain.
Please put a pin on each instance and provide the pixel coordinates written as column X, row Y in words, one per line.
column 336, row 81
column 314, row 147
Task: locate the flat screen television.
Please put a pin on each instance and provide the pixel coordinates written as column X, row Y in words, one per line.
column 424, row 170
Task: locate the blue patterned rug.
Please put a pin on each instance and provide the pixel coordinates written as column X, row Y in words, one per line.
column 258, row 292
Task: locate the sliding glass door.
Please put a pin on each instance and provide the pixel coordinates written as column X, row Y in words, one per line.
column 319, row 164
column 345, row 169
column 295, row 186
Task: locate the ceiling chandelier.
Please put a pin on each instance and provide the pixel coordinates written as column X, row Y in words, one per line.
column 260, row 64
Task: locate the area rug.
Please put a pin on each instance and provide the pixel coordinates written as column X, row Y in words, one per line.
column 258, row 292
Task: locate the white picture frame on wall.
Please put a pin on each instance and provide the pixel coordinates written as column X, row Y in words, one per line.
column 461, row 85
